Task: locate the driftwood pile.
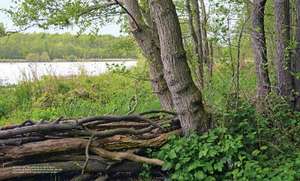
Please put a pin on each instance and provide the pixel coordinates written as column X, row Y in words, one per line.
column 101, row 147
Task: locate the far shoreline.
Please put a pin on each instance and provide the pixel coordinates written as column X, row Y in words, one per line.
column 64, row 60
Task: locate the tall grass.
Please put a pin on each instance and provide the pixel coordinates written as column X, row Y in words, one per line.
column 77, row 96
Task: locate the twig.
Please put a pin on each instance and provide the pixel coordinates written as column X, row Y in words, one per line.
column 133, row 108
column 108, row 133
column 106, row 119
column 58, row 120
column 157, row 111
column 87, row 154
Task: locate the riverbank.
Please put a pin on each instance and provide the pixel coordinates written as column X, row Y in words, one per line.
column 13, row 73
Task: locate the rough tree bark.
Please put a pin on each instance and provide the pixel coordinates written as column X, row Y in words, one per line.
column 260, row 51
column 199, row 71
column 296, row 60
column 147, row 39
column 283, row 55
column 191, row 24
column 197, row 26
column 211, row 61
column 204, row 33
column 186, row 97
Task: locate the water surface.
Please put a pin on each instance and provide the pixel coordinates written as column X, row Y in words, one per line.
column 14, row 72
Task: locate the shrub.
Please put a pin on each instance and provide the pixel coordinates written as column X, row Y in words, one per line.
column 32, row 57
column 202, row 157
column 45, row 56
column 71, row 58
column 254, row 146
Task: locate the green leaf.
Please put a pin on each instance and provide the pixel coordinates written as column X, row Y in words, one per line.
column 172, row 154
column 199, row 175
column 218, row 166
column 167, row 166
column 264, row 147
column 255, row 152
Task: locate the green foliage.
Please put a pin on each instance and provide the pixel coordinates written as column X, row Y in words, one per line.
column 41, row 46
column 32, row 57
column 249, row 146
column 86, row 15
column 219, row 92
column 202, row 157
column 2, row 30
column 44, row 56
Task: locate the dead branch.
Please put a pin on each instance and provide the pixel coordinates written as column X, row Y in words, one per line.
column 84, row 148
column 125, row 155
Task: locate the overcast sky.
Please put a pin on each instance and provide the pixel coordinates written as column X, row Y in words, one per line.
column 112, row 28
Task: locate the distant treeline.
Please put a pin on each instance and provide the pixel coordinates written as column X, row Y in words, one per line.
column 41, row 46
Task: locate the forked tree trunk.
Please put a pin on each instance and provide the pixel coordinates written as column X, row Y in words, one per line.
column 283, row 55
column 296, row 59
column 263, row 86
column 186, row 97
column 148, row 42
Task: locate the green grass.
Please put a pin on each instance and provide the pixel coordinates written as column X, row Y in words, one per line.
column 78, row 96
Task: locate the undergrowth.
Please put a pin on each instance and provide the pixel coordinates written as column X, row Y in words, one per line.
column 246, row 146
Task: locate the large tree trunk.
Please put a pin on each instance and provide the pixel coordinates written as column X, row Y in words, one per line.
column 260, row 51
column 148, row 41
column 296, row 59
column 283, row 55
column 199, row 68
column 186, row 97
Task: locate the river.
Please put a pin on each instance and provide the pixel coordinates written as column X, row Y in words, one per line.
column 14, row 72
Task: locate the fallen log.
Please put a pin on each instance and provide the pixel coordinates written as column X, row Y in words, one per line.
column 45, row 128
column 125, row 156
column 115, row 125
column 84, row 177
column 19, row 141
column 42, row 148
column 108, row 119
column 108, row 142
column 67, row 145
column 119, row 142
column 63, row 157
column 50, row 168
